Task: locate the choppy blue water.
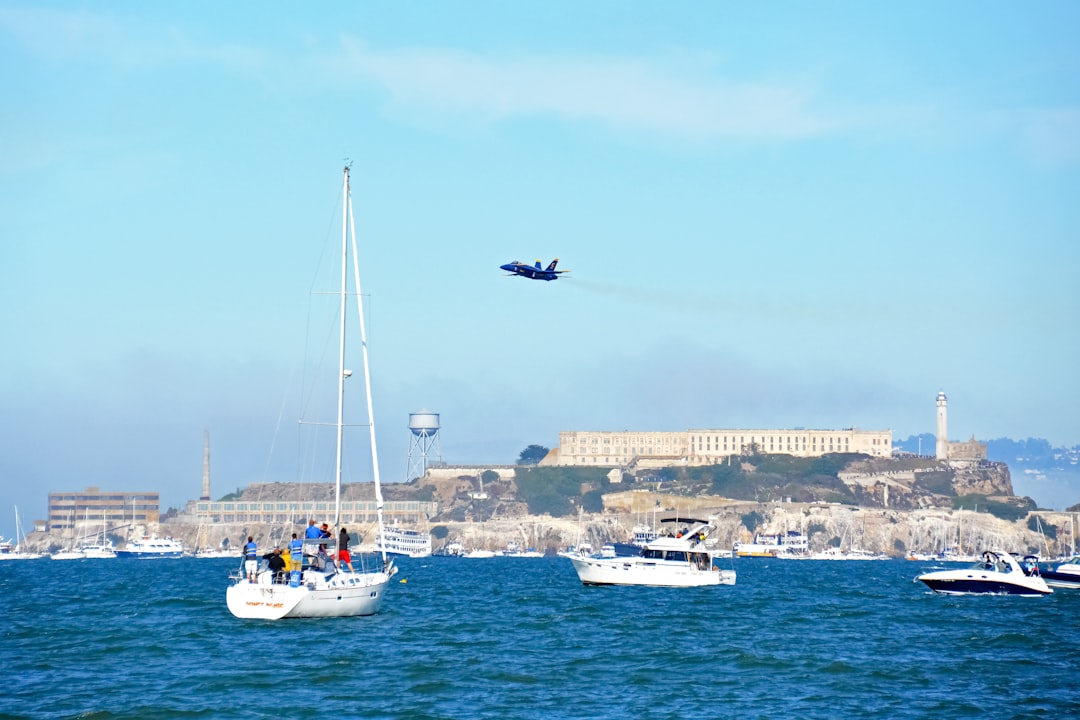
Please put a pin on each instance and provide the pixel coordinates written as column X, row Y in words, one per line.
column 522, row 638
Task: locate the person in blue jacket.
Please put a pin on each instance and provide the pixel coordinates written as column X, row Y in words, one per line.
column 296, row 553
column 251, row 558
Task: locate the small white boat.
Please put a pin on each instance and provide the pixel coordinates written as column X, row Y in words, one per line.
column 478, row 554
column 452, row 549
column 12, row 551
column 786, row 544
column 1065, row 575
column 103, row 548
column 99, row 551
column 997, row 573
column 151, row 548
column 514, row 549
column 67, row 554
column 217, row 553
column 682, row 561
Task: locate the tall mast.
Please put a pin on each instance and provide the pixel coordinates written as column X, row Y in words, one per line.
column 367, row 371
column 341, row 345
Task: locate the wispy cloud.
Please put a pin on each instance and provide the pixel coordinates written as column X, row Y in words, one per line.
column 680, row 95
column 70, row 35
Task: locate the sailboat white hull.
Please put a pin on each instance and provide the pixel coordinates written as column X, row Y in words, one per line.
column 330, row 595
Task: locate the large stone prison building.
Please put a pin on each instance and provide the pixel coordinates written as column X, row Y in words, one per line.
column 709, row 447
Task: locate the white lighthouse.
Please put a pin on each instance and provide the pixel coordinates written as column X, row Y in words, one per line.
column 942, row 431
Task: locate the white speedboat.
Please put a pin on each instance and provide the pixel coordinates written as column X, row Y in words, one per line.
column 479, row 554
column 151, row 548
column 98, row 551
column 67, row 554
column 997, row 573
column 1065, row 575
column 320, row 588
column 398, row 540
column 666, row 561
column 221, row 551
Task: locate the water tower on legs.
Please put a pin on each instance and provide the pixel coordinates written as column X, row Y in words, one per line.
column 424, row 426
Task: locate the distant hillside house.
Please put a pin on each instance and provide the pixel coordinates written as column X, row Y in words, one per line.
column 631, row 449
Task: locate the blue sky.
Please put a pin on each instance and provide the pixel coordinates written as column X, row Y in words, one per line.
column 775, row 215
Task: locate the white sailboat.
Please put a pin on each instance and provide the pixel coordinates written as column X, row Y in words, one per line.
column 69, row 552
column 323, row 589
column 17, row 551
column 101, row 550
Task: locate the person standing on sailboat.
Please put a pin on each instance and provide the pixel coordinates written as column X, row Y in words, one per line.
column 296, row 553
column 344, row 559
column 251, row 558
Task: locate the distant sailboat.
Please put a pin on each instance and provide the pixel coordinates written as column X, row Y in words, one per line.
column 17, row 551
column 69, row 552
column 101, row 550
column 324, row 590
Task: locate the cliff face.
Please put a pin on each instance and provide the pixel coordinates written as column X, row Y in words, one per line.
column 918, row 483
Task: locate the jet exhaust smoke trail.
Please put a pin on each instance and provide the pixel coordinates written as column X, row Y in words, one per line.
column 651, row 296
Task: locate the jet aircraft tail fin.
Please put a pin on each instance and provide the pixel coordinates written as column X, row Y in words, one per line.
column 550, row 267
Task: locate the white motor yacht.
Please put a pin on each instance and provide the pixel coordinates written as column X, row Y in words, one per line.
column 789, row 544
column 681, row 561
column 407, row 542
column 996, row 573
column 151, row 548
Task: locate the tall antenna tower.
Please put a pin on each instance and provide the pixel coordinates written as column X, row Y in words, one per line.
column 424, row 426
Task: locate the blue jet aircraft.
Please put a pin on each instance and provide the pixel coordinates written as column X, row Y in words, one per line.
column 534, row 272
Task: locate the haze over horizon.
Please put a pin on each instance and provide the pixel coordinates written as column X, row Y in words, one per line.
column 818, row 218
